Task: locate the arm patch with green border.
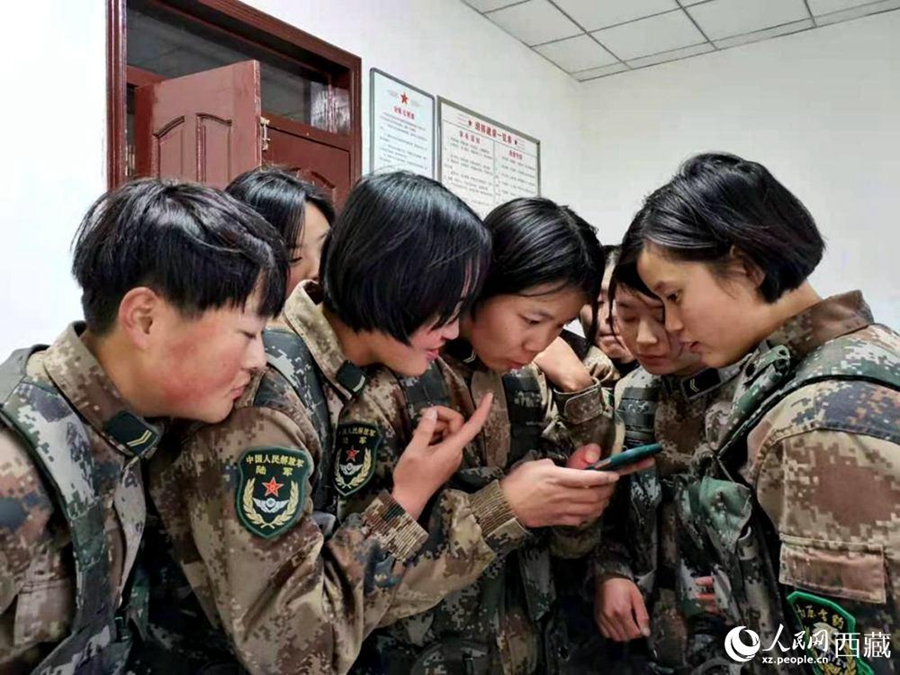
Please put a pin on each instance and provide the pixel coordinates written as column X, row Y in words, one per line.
column 356, row 448
column 822, row 619
column 272, row 488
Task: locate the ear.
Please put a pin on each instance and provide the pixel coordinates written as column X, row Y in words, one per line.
column 741, row 265
column 138, row 310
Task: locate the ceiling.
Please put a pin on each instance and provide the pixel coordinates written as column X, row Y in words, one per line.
column 589, row 39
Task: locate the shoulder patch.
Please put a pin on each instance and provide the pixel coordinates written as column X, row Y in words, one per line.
column 272, row 489
column 827, row 625
column 356, row 447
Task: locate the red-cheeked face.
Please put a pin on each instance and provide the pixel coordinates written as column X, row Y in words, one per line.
column 199, row 366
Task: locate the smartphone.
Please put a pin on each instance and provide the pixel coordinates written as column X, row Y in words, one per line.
column 626, row 458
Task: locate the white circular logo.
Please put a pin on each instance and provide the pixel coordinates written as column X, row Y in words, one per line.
column 736, row 648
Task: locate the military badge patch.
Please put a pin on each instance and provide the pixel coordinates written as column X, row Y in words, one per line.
column 830, row 631
column 271, row 489
column 356, row 448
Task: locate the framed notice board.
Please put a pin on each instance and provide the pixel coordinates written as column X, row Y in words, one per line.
column 484, row 162
column 401, row 124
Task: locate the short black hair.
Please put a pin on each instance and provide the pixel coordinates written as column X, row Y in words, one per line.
column 538, row 242
column 403, row 252
column 196, row 246
column 280, row 197
column 717, row 201
column 625, row 273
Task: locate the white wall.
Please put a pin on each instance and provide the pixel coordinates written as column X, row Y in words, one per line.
column 442, row 46
column 449, row 50
column 53, row 73
column 820, row 109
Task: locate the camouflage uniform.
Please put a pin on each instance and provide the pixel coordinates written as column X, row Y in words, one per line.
column 640, row 543
column 798, row 510
column 178, row 639
column 250, row 508
column 495, row 624
column 72, row 512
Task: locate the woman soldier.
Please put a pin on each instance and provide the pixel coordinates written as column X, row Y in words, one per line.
column 675, row 400
column 300, row 212
column 797, row 511
column 178, row 637
column 250, row 503
column 547, row 263
column 600, row 338
column 174, row 279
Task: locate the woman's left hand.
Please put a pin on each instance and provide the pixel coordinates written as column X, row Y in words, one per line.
column 563, row 368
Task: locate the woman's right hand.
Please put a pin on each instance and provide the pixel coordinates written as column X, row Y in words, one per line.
column 424, row 467
column 542, row 494
column 619, row 610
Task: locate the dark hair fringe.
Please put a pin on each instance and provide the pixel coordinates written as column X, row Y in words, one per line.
column 280, row 197
column 540, row 243
column 403, row 253
column 196, row 246
column 625, row 274
column 718, row 202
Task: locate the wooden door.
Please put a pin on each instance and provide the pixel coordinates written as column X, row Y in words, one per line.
column 294, row 146
column 203, row 127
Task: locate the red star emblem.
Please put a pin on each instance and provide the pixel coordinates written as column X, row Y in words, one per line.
column 352, row 453
column 404, row 98
column 272, row 487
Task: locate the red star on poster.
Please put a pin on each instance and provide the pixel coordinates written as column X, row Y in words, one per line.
column 404, row 98
column 272, row 487
column 352, row 453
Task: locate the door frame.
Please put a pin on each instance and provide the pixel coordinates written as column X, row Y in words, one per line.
column 248, row 25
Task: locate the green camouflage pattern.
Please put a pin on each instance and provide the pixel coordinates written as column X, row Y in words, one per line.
column 65, row 479
column 178, row 638
column 303, row 601
column 803, row 494
column 641, row 538
column 496, row 624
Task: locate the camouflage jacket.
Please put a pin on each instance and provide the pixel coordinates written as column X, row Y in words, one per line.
column 493, row 625
column 250, row 510
column 685, row 415
column 37, row 568
column 800, row 518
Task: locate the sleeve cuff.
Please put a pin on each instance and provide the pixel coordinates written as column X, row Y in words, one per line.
column 394, row 527
column 612, row 568
column 580, row 406
column 499, row 526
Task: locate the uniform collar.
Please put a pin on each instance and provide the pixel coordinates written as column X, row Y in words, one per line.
column 79, row 376
column 303, row 314
column 700, row 384
column 826, row 320
column 464, row 353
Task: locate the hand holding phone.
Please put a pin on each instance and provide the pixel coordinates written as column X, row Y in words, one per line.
column 626, row 458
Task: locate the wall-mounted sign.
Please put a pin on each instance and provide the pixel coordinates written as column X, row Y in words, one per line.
column 401, row 126
column 485, row 162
